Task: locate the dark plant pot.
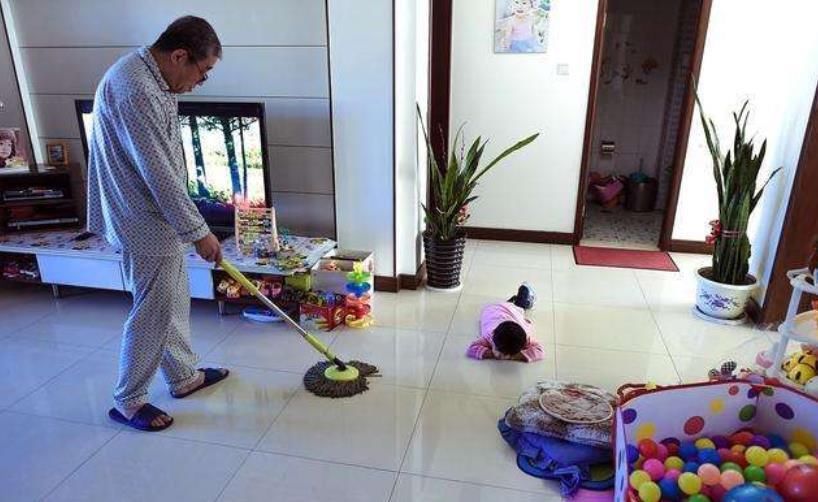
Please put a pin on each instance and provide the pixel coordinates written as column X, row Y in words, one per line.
column 444, row 259
column 641, row 196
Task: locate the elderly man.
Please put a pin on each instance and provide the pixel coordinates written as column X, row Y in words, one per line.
column 138, row 200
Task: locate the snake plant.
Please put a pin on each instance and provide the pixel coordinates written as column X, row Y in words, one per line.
column 736, row 175
column 452, row 188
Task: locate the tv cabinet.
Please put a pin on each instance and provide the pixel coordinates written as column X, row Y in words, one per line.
column 37, row 198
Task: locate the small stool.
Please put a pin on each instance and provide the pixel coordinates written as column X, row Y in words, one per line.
column 796, row 327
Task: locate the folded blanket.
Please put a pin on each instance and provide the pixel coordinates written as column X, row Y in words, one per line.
column 528, row 416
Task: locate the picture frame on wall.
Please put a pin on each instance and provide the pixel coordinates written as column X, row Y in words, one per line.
column 57, row 153
column 521, row 26
column 13, row 150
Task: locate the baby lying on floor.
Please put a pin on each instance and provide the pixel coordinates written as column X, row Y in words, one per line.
column 505, row 333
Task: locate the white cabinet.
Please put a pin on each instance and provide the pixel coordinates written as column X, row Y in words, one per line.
column 84, row 272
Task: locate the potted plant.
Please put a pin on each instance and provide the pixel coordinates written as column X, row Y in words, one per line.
column 451, row 193
column 725, row 287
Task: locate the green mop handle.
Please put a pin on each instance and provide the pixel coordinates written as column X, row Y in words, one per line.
column 233, row 272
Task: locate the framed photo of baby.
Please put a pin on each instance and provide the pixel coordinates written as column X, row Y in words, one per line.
column 12, row 147
column 521, row 26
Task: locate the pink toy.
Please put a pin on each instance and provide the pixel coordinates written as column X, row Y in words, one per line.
column 655, row 468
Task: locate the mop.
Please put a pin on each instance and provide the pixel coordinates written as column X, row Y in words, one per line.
column 330, row 378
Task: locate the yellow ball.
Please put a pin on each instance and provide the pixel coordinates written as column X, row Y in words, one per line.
column 757, row 456
column 690, row 483
column 739, row 448
column 650, row 492
column 778, row 456
column 674, row 463
column 798, row 450
column 705, row 443
column 809, row 460
column 638, row 478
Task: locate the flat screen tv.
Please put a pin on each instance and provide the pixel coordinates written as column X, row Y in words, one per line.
column 225, row 156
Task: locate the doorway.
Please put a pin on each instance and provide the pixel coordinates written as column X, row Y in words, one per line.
column 639, row 116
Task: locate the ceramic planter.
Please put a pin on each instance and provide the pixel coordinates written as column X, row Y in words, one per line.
column 444, row 260
column 722, row 301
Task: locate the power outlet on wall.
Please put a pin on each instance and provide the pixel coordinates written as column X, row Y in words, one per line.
column 563, row 69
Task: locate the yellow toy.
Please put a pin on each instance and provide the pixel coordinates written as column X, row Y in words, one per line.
column 801, row 366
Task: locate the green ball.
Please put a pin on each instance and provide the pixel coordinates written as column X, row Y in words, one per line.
column 699, row 498
column 731, row 466
column 754, row 473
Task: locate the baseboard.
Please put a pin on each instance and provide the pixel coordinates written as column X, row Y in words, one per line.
column 504, row 234
column 408, row 281
column 386, row 283
column 695, row 247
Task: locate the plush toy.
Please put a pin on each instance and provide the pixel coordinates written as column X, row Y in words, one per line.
column 223, row 285
column 802, row 366
column 233, row 291
column 724, row 373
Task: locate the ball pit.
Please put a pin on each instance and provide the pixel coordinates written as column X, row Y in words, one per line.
column 742, row 467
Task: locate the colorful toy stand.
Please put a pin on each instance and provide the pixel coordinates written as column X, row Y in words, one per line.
column 358, row 300
column 796, row 327
column 688, row 412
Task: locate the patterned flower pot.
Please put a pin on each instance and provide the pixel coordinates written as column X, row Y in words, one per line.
column 444, row 259
column 722, row 301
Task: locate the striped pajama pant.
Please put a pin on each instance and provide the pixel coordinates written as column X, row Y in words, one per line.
column 157, row 331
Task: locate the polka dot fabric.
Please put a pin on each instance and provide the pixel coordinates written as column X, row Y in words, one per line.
column 682, row 415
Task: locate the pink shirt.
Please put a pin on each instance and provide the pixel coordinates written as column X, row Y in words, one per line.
column 491, row 317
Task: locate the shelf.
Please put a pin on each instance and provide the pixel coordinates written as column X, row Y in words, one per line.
column 37, row 202
column 20, row 279
column 804, row 328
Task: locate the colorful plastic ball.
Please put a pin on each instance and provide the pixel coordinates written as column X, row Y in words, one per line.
column 674, row 463
column 809, row 460
column 751, row 493
column 762, row 441
column 661, row 452
column 637, row 478
column 797, row 450
column 731, row 466
column 709, row 456
column 699, row 498
column 742, row 438
column 691, row 467
column 724, row 454
column 632, row 453
column 790, row 464
column 688, row 451
column 690, row 483
column 739, row 458
column 647, row 447
column 753, row 473
column 738, row 448
column 800, row 484
column 777, row 441
column 774, row 473
column 705, row 443
column 670, row 490
column 778, row 456
column 717, row 493
column 757, row 456
column 730, row 479
column 721, row 442
column 650, row 492
column 673, row 474
column 709, row 474
column 654, row 468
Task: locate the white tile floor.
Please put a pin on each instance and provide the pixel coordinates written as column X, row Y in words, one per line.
column 424, row 432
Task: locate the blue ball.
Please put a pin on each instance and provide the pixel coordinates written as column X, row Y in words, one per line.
column 688, row 451
column 670, row 489
column 633, row 454
column 777, row 441
column 691, row 467
column 751, row 493
column 709, row 456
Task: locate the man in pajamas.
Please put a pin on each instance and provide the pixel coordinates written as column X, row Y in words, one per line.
column 138, row 200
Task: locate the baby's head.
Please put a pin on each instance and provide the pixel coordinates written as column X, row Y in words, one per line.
column 509, row 338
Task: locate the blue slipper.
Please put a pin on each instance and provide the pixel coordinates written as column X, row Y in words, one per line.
column 142, row 418
column 211, row 376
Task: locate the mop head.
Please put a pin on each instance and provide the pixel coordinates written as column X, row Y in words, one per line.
column 326, row 380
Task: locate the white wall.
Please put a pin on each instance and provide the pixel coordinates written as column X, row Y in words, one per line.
column 275, row 52
column 362, row 115
column 505, row 97
column 769, row 56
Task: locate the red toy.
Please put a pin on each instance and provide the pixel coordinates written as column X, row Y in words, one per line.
column 800, row 484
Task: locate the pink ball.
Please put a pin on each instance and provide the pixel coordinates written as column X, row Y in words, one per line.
column 717, row 493
column 661, row 452
column 710, row 474
column 775, row 473
column 789, row 464
column 673, row 474
column 730, row 479
column 655, row 468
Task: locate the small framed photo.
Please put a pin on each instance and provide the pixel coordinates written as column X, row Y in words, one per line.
column 57, row 153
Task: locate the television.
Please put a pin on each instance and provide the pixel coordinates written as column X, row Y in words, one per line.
column 225, row 153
